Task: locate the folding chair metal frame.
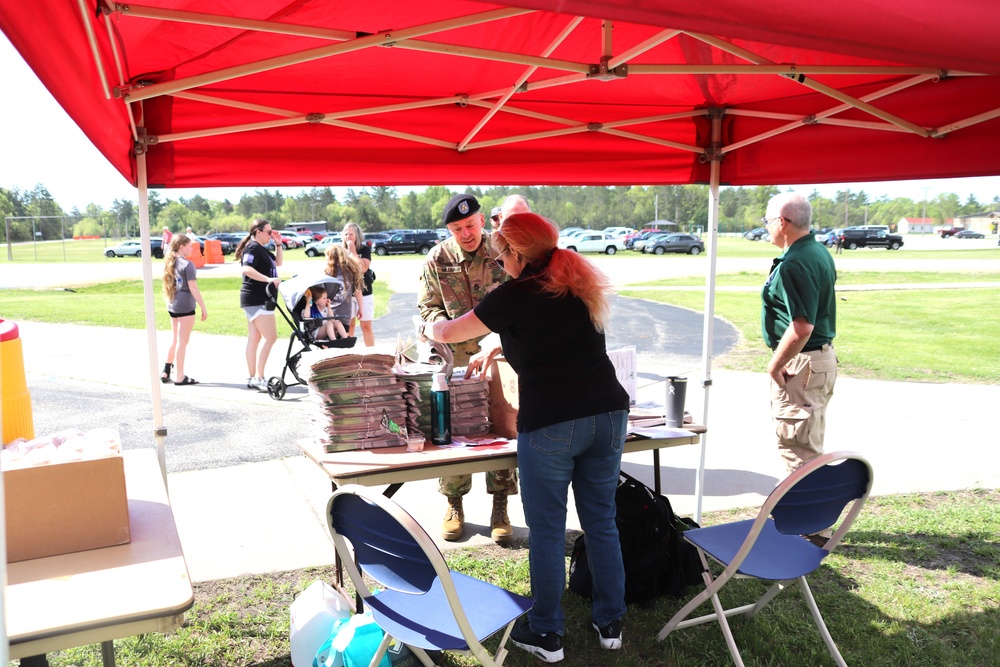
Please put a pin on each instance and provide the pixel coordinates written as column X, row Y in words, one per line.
column 808, row 501
column 375, row 535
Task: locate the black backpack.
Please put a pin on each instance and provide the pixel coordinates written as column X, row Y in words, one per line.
column 657, row 559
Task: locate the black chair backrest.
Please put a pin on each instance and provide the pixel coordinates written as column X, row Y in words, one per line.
column 384, row 549
column 818, row 499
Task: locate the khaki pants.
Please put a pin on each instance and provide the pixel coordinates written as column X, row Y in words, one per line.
column 799, row 408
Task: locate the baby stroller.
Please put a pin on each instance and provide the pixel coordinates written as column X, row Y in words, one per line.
column 303, row 336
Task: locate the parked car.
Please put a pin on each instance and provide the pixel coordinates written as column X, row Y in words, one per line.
column 407, row 240
column 858, row 237
column 593, row 242
column 969, row 234
column 631, row 239
column 756, row 234
column 829, row 239
column 685, row 243
column 227, row 246
column 292, row 241
column 371, row 238
column 640, row 243
column 317, row 248
column 618, row 231
column 314, row 234
column 303, row 239
column 232, row 238
column 133, row 248
column 948, row 232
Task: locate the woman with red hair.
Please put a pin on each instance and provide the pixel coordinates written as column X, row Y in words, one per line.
column 551, row 316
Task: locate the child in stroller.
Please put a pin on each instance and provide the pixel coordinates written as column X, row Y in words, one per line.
column 318, row 307
column 309, row 329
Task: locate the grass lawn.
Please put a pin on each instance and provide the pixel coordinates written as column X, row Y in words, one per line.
column 884, row 335
column 120, row 304
column 916, row 583
column 92, row 250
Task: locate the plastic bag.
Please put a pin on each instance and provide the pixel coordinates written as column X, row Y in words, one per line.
column 353, row 643
column 315, row 613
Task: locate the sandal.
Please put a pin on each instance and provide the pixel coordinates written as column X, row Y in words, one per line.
column 165, row 375
column 187, row 380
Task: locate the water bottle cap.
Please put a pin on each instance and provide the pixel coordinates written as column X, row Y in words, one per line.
column 439, row 382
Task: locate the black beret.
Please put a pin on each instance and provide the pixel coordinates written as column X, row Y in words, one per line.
column 458, row 208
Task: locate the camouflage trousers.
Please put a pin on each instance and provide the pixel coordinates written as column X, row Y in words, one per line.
column 503, row 482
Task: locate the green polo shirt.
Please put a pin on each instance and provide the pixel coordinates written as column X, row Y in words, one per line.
column 801, row 284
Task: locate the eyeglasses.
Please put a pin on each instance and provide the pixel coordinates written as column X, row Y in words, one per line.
column 495, row 218
column 498, row 261
column 766, row 221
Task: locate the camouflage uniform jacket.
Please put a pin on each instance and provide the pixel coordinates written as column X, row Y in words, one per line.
column 454, row 282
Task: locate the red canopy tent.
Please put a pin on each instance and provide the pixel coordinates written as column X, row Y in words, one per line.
column 189, row 93
column 286, row 92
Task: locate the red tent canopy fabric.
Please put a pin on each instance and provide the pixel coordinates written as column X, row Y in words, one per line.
column 601, row 92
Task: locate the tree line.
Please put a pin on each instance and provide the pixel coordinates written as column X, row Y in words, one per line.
column 34, row 213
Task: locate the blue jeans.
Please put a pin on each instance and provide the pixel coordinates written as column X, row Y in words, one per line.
column 586, row 452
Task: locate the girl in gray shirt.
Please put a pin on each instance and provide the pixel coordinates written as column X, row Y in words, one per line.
column 181, row 291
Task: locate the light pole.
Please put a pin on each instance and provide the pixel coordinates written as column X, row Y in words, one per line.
column 925, row 189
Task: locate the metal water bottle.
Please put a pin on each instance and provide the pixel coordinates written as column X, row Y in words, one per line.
column 440, row 410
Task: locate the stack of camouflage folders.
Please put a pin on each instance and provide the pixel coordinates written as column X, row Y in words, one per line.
column 416, row 377
column 470, row 401
column 470, row 405
column 352, row 393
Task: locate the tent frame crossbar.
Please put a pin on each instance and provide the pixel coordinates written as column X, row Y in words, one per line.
column 612, row 66
column 560, row 38
column 384, row 38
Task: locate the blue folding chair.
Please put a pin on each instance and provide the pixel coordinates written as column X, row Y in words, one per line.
column 424, row 605
column 771, row 547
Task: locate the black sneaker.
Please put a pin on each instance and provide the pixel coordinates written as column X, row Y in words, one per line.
column 610, row 635
column 547, row 648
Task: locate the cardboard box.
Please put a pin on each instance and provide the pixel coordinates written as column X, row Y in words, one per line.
column 67, row 507
column 503, row 398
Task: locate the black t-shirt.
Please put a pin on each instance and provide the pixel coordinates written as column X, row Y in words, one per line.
column 366, row 253
column 560, row 359
column 254, row 292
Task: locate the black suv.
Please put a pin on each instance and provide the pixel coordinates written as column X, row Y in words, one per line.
column 852, row 238
column 406, row 240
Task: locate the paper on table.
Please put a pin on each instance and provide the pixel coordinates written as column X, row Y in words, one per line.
column 657, row 432
column 460, row 441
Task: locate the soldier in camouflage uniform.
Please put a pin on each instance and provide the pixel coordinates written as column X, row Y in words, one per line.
column 457, row 274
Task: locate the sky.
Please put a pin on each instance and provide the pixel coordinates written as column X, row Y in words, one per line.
column 39, row 143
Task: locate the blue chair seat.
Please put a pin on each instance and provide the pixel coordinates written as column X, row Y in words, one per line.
column 774, row 556
column 427, row 621
column 770, row 547
column 425, row 605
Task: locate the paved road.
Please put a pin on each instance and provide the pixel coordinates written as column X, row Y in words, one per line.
column 268, row 515
column 220, row 423
column 83, row 388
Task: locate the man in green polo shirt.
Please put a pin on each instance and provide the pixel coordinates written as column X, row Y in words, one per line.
column 799, row 322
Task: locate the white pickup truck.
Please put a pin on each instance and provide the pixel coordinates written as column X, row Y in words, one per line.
column 593, row 242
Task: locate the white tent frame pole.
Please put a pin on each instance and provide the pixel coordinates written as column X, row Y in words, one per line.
column 152, row 356
column 4, row 645
column 709, row 328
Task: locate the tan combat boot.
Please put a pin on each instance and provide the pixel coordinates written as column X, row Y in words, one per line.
column 499, row 522
column 454, row 519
